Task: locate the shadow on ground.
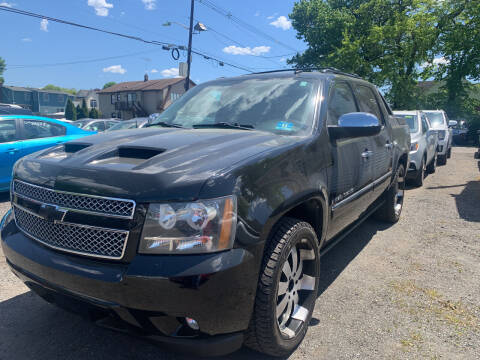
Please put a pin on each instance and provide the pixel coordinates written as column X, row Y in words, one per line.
column 4, row 196
column 33, row 329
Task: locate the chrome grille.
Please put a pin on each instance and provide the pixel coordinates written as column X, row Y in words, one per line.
column 86, row 203
column 75, row 238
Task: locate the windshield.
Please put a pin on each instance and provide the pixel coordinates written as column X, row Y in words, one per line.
column 280, row 105
column 411, row 120
column 124, row 125
column 80, row 123
column 436, row 118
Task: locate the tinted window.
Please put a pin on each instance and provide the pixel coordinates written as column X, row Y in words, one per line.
column 340, row 102
column 8, row 131
column 411, row 121
column 111, row 123
column 367, row 101
column 35, row 129
column 96, row 126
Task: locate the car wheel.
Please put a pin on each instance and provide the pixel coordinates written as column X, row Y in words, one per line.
column 432, row 167
column 442, row 159
column 287, row 289
column 392, row 208
column 418, row 180
column 449, row 153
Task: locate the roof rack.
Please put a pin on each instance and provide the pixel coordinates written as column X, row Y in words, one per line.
column 319, row 69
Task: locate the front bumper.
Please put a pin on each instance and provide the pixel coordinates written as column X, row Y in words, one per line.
column 152, row 294
column 415, row 162
column 442, row 147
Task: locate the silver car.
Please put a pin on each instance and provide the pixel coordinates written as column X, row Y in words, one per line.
column 424, row 142
column 439, row 121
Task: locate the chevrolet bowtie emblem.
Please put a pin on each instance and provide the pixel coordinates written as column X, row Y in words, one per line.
column 52, row 213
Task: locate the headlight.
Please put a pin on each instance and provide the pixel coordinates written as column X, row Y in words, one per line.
column 185, row 228
column 414, row 146
column 441, row 134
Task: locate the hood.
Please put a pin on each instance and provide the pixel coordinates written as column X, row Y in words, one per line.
column 145, row 164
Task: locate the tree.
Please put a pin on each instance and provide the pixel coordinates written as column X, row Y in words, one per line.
column 2, row 69
column 70, row 111
column 93, row 113
column 384, row 41
column 84, row 108
column 80, row 114
column 108, row 84
column 58, row 88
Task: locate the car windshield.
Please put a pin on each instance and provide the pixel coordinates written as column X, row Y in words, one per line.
column 124, row 125
column 411, row 120
column 436, row 118
column 279, row 105
column 80, row 123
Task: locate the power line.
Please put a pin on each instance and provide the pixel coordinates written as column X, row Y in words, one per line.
column 165, row 45
column 228, row 14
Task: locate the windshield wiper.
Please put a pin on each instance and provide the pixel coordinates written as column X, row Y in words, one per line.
column 165, row 124
column 225, row 125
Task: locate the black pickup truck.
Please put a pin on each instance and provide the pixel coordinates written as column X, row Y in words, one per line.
column 204, row 231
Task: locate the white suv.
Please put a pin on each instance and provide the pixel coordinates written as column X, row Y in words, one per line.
column 439, row 122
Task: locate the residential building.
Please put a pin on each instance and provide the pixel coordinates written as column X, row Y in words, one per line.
column 42, row 102
column 90, row 97
column 140, row 98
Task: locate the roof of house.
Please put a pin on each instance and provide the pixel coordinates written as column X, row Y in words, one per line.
column 142, row 85
column 16, row 88
column 85, row 93
column 19, row 88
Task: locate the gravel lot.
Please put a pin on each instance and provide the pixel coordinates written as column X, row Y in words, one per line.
column 410, row 291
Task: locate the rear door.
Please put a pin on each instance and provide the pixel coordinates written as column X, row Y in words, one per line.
column 40, row 134
column 351, row 178
column 382, row 146
column 430, row 137
column 10, row 147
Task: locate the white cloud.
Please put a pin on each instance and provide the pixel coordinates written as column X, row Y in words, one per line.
column 150, row 4
column 153, row 71
column 272, row 16
column 26, row 40
column 440, row 60
column 282, row 22
column 172, row 72
column 257, row 13
column 7, row 4
column 44, row 25
column 237, row 50
column 101, row 6
column 283, row 59
column 116, row 69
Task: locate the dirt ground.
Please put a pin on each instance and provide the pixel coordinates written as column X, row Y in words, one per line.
column 409, row 291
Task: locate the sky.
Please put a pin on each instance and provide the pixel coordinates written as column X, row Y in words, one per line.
column 36, row 50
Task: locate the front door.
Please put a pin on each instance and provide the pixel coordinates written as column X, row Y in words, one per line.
column 10, row 148
column 351, row 174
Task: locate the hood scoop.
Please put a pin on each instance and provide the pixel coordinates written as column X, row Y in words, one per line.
column 126, row 157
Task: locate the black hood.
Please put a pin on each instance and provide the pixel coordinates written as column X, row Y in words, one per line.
column 145, row 164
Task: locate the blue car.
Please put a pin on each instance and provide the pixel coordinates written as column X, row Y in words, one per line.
column 21, row 135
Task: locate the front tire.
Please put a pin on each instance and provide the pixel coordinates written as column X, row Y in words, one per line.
column 287, row 289
column 418, row 180
column 442, row 159
column 391, row 210
column 449, row 153
column 432, row 167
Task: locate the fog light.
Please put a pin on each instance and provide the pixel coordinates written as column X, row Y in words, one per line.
column 192, row 323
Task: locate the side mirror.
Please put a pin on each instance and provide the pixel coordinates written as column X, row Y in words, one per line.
column 355, row 124
column 452, row 123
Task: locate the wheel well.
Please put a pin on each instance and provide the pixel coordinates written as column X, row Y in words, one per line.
column 403, row 160
column 309, row 211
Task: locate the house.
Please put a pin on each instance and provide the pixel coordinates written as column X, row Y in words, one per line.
column 90, row 97
column 42, row 102
column 140, row 98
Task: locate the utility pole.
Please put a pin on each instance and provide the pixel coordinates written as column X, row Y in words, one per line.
column 189, row 56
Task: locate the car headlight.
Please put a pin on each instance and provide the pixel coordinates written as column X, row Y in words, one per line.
column 184, row 228
column 414, row 146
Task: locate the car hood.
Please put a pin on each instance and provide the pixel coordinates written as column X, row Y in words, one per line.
column 145, row 164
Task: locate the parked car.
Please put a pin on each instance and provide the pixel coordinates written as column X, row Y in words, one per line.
column 21, row 135
column 206, row 229
column 439, row 121
column 423, row 148
column 459, row 132
column 135, row 123
column 9, row 109
column 97, row 125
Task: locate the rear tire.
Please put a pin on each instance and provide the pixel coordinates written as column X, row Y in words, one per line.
column 432, row 167
column 442, row 159
column 287, row 289
column 391, row 210
column 420, row 175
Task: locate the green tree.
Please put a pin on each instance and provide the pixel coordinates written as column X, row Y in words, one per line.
column 108, row 84
column 93, row 113
column 84, row 108
column 384, row 41
column 58, row 88
column 2, row 69
column 70, row 111
column 80, row 114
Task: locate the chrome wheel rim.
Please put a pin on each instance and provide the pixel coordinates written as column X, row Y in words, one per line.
column 296, row 285
column 399, row 193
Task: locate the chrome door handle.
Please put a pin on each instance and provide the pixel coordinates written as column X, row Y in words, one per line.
column 366, row 154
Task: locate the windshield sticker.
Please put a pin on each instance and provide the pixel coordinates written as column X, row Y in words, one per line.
column 284, row 125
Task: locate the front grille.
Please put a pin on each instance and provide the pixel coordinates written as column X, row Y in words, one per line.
column 75, row 238
column 88, row 203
